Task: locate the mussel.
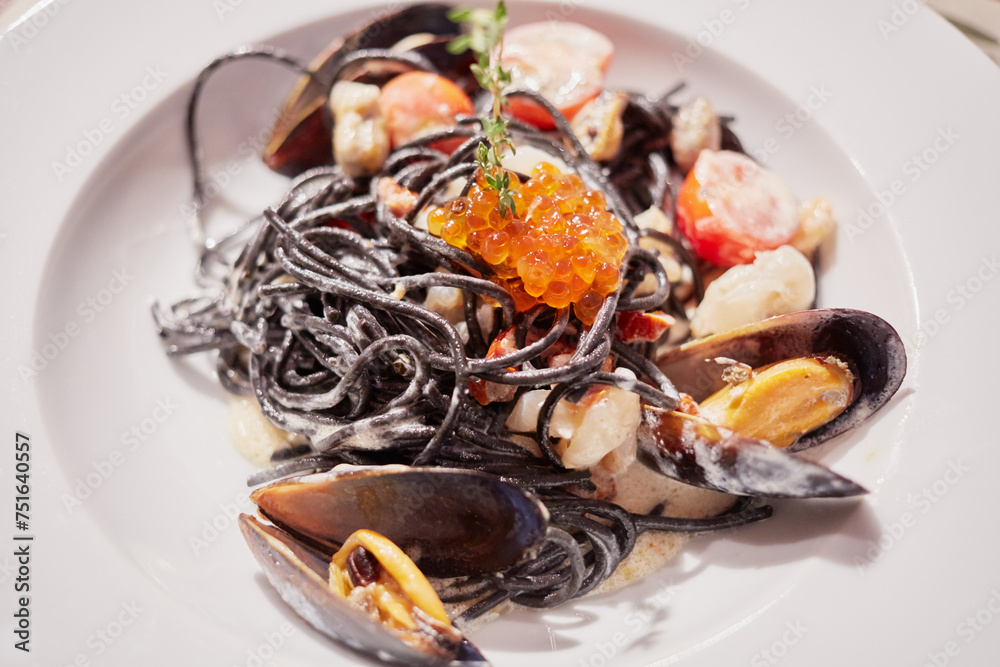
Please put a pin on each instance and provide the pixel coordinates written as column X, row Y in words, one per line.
column 451, row 522
column 387, row 527
column 302, row 134
column 867, row 354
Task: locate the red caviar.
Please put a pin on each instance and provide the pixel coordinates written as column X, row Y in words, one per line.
column 563, row 247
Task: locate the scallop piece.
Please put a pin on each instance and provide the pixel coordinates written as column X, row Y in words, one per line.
column 778, row 282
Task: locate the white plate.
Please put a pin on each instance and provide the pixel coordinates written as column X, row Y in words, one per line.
column 147, row 567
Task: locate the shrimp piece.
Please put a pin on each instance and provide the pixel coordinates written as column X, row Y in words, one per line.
column 563, row 62
column 731, row 208
column 399, row 199
column 420, row 103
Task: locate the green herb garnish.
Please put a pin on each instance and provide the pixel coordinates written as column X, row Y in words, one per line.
column 484, row 36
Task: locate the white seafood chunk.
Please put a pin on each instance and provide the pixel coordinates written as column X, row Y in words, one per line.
column 609, row 424
column 816, row 223
column 524, row 417
column 360, row 135
column 254, row 437
column 654, row 218
column 444, row 300
column 778, row 282
column 695, row 127
column 600, row 429
column 598, row 125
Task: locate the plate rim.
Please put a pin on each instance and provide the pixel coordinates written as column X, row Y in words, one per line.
column 249, row 21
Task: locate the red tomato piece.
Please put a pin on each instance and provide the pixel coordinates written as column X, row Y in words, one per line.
column 418, row 103
column 642, row 327
column 563, row 62
column 730, row 208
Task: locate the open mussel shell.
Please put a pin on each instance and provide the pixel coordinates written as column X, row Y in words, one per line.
column 299, row 574
column 869, row 345
column 450, row 522
column 696, row 452
column 302, row 136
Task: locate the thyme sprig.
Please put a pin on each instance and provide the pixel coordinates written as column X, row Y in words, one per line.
column 484, row 36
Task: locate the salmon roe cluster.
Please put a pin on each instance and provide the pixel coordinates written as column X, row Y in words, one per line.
column 562, row 248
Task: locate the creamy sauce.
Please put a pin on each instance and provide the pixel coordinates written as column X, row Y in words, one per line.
column 639, row 489
column 254, row 437
column 653, row 550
